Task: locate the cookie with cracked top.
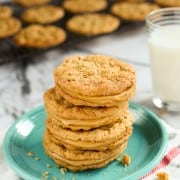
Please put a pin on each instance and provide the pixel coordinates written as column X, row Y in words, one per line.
column 43, row 14
column 95, row 80
column 5, row 11
column 168, row 3
column 39, row 36
column 9, row 26
column 133, row 11
column 93, row 24
column 30, row 3
column 81, row 6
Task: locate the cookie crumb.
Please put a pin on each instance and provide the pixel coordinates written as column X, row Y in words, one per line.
column 48, row 165
column 30, row 153
column 54, row 178
column 44, row 174
column 36, row 158
column 126, row 160
column 162, row 176
column 63, row 170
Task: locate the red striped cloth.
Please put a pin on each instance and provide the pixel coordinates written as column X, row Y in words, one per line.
column 173, row 153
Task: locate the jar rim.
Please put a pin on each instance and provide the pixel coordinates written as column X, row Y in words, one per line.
column 162, row 11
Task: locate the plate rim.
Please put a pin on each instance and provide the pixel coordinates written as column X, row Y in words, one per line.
column 140, row 173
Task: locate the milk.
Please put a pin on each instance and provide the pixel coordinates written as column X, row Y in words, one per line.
column 164, row 48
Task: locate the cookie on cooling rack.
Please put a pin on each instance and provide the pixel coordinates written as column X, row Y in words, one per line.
column 29, row 3
column 9, row 26
column 43, row 14
column 133, row 11
column 132, row 1
column 93, row 24
column 168, row 3
column 5, row 11
column 81, row 6
column 39, row 36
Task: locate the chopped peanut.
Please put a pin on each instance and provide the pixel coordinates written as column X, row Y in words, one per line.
column 126, row 160
column 162, row 176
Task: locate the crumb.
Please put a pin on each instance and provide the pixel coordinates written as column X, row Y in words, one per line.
column 54, row 178
column 45, row 174
column 126, row 160
column 118, row 160
column 48, row 165
column 30, row 153
column 162, row 176
column 63, row 170
column 161, row 113
column 36, row 158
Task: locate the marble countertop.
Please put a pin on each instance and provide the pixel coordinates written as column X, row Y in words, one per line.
column 22, row 86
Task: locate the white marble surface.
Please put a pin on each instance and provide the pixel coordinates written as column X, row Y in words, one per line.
column 22, row 88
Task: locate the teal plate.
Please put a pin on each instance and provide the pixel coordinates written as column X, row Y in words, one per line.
column 146, row 147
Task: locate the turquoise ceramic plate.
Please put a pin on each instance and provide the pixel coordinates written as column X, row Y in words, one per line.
column 146, row 147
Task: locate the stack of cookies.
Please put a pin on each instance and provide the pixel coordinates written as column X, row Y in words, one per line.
column 88, row 123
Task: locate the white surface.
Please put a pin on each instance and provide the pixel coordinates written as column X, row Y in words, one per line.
column 130, row 44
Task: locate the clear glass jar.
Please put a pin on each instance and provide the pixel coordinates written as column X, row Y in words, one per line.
column 163, row 26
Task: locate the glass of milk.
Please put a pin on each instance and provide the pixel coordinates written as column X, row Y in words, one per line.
column 164, row 50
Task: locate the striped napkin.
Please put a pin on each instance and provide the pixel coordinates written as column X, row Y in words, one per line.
column 169, row 164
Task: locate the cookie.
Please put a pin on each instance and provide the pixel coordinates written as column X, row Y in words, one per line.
column 43, row 14
column 39, row 36
column 93, row 24
column 133, row 11
column 132, row 1
column 29, row 3
column 62, row 113
column 76, row 160
column 9, row 26
column 95, row 139
column 95, row 80
column 5, row 11
column 168, row 3
column 103, row 146
column 79, row 6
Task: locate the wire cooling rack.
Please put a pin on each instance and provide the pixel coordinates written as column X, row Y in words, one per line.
column 10, row 52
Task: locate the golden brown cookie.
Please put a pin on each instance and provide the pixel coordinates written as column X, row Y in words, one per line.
column 132, row 1
column 93, row 24
column 9, row 26
column 168, row 3
column 43, row 14
column 95, row 80
column 62, row 113
column 5, row 11
column 29, row 3
column 103, row 146
column 76, row 160
column 96, row 139
column 81, row 6
column 133, row 11
column 39, row 36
